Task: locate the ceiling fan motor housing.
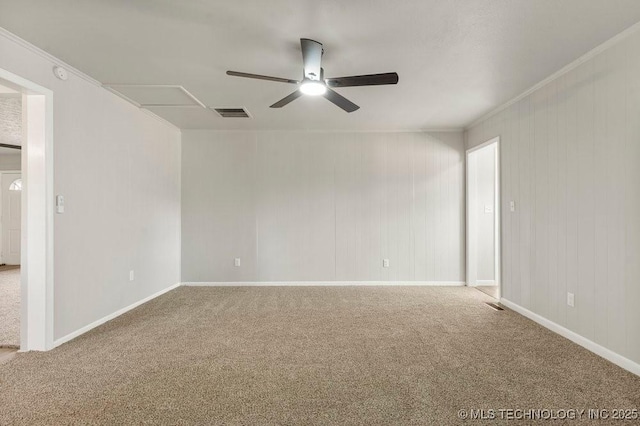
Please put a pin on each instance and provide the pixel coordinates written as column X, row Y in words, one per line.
column 312, row 58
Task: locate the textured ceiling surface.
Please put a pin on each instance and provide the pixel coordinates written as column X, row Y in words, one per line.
column 457, row 59
column 10, row 119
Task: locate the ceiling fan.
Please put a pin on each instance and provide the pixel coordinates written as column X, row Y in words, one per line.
column 313, row 82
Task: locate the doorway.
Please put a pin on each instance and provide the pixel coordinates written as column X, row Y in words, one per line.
column 10, row 253
column 11, row 218
column 11, row 135
column 483, row 217
column 27, row 206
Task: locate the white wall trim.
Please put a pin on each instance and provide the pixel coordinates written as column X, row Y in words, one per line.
column 324, row 283
column 111, row 316
column 575, row 64
column 605, row 353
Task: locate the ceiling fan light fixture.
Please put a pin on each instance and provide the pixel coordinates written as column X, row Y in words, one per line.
column 313, row 82
column 313, row 88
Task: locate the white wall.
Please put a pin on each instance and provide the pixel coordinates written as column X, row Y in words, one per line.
column 304, row 206
column 119, row 170
column 485, row 197
column 570, row 154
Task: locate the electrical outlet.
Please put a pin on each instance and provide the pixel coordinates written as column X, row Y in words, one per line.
column 570, row 299
column 131, row 275
column 236, row 261
column 385, row 263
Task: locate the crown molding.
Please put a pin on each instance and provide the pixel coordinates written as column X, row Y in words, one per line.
column 354, row 131
column 564, row 70
column 443, row 130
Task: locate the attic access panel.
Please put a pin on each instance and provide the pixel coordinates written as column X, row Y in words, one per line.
column 148, row 95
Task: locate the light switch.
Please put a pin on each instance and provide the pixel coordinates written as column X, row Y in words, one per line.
column 131, row 275
column 512, row 206
column 59, row 204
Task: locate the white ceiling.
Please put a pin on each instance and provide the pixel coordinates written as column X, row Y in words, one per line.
column 457, row 59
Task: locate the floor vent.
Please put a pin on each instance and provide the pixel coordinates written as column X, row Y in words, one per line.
column 13, row 347
column 495, row 306
column 232, row 112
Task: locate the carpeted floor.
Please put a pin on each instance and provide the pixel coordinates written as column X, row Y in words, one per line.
column 9, row 306
column 309, row 355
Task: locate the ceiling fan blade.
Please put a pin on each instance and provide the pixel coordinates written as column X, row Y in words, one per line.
column 284, row 101
column 364, row 80
column 312, row 58
column 340, row 100
column 261, row 77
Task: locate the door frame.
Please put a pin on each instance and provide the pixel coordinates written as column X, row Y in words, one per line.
column 497, row 218
column 36, row 272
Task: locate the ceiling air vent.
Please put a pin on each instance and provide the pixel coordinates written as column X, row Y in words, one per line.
column 232, row 112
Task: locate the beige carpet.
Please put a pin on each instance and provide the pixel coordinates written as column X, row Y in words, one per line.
column 308, row 355
column 9, row 306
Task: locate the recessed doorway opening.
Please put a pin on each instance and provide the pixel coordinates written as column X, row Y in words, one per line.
column 26, row 225
column 483, row 218
column 11, row 136
column 10, row 251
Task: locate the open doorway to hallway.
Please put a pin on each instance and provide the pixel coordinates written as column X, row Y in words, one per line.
column 28, row 209
column 11, row 137
column 483, row 218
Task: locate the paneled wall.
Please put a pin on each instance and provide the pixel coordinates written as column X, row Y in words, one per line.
column 305, row 206
column 119, row 170
column 570, row 161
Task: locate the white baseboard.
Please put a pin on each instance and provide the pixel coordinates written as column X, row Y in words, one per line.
column 323, row 283
column 109, row 317
column 486, row 282
column 597, row 349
